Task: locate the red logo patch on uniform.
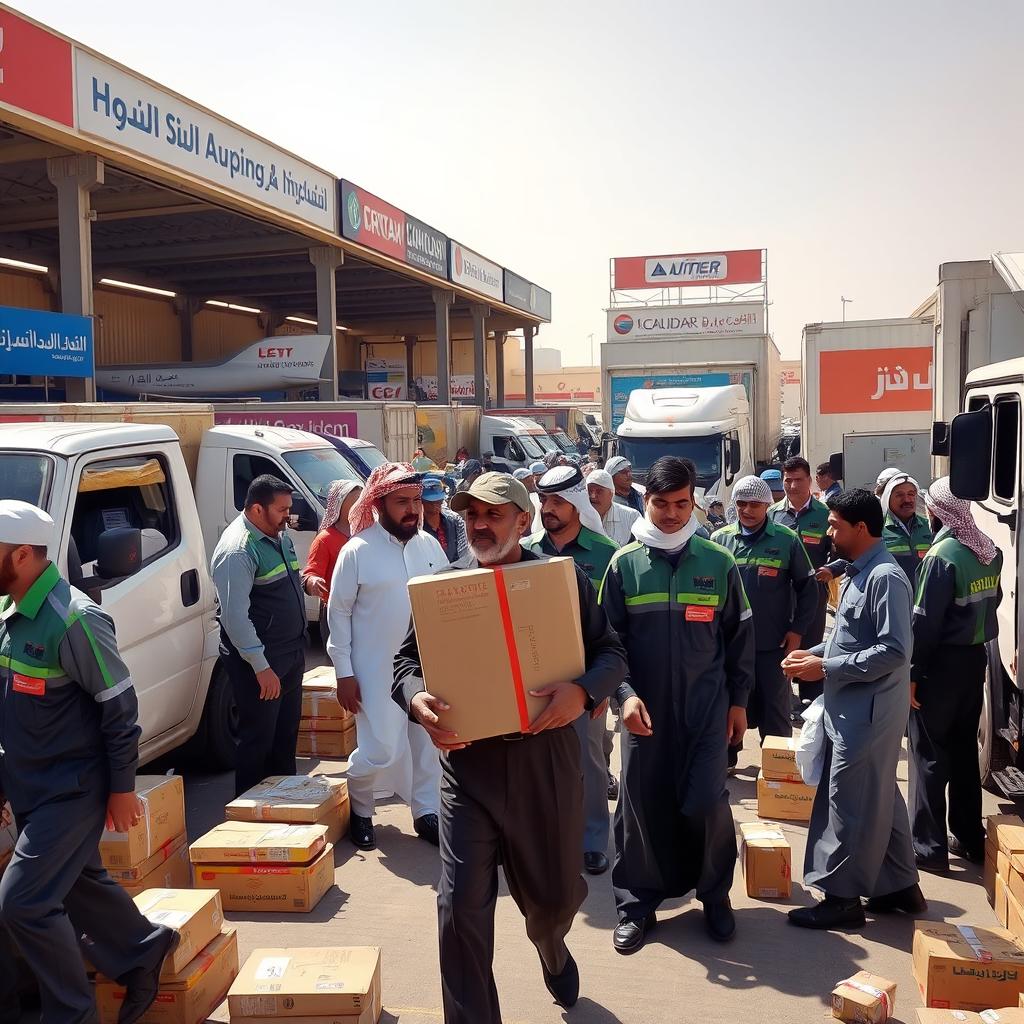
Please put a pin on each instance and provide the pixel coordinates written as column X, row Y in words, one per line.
column 767, row 570
column 699, row 613
column 811, row 540
column 28, row 684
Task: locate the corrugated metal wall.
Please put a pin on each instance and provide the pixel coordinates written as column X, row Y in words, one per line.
column 25, row 291
column 219, row 333
column 135, row 328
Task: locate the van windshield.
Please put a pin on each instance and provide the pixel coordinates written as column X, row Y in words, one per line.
column 545, row 442
column 26, row 477
column 563, row 442
column 706, row 452
column 318, row 468
column 531, row 447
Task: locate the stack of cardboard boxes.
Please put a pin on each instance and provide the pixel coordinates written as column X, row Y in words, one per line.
column 781, row 793
column 296, row 800
column 1004, row 870
column 339, row 985
column 326, row 728
column 196, row 977
column 264, row 866
column 767, row 860
column 154, row 853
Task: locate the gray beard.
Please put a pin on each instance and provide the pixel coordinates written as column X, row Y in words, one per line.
column 494, row 557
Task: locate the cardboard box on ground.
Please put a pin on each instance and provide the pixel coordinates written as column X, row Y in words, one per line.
column 931, row 1015
column 766, row 857
column 296, row 799
column 162, row 822
column 259, row 842
column 864, row 999
column 778, row 759
column 326, row 729
column 779, row 800
column 515, row 628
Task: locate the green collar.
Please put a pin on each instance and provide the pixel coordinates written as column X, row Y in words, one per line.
column 34, row 597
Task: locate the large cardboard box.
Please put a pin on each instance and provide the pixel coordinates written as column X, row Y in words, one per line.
column 173, row 873
column 290, row 888
column 967, row 968
column 136, row 872
column 1010, row 836
column 320, row 695
column 185, row 998
column 288, row 983
column 163, row 819
column 784, row 801
column 336, row 821
column 864, row 999
column 1014, row 912
column 766, row 857
column 1001, row 901
column 298, row 799
column 778, row 759
column 326, row 744
column 931, row 1015
column 515, row 628
column 258, row 842
column 195, row 915
column 326, row 724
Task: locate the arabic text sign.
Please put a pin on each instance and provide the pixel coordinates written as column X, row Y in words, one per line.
column 646, row 322
column 472, row 271
column 35, row 69
column 118, row 107
column 737, row 266
column 338, row 424
column 622, row 386
column 41, row 344
column 875, row 380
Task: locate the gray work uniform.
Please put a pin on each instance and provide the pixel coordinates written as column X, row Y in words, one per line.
column 69, row 737
column 858, row 839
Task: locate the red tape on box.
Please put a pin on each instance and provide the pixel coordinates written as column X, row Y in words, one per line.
column 513, row 651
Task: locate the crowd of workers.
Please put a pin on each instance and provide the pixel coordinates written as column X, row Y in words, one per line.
column 694, row 622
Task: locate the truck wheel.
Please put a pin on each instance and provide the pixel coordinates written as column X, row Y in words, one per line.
column 220, row 724
column 993, row 750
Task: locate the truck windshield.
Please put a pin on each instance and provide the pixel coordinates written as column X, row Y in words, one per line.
column 545, row 443
column 563, row 442
column 371, row 455
column 26, row 477
column 706, row 452
column 531, row 446
column 318, row 468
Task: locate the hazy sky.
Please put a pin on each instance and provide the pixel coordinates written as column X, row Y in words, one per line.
column 861, row 143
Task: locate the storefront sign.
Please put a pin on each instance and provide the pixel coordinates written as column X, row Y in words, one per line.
column 472, row 271
column 526, row 296
column 386, row 380
column 624, row 385
column 875, row 380
column 643, row 323
column 41, row 344
column 35, row 70
column 126, row 110
column 461, row 385
column 738, row 266
column 339, row 424
column 369, row 220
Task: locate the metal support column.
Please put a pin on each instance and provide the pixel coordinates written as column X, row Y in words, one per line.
column 186, row 306
column 528, row 362
column 443, row 300
column 74, row 177
column 499, row 368
column 480, row 315
column 326, row 260
column 410, row 370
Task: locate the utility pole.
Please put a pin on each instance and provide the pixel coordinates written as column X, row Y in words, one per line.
column 844, row 301
column 591, row 337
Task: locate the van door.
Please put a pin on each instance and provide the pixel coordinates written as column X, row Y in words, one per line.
column 159, row 611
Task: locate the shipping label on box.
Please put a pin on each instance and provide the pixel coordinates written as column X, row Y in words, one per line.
column 163, row 819
column 173, row 873
column 516, row 628
column 281, row 888
column 195, row 915
column 306, row 982
column 965, row 967
column 864, row 999
column 784, row 801
column 298, row 799
column 326, row 744
column 258, row 842
column 778, row 759
column 766, row 858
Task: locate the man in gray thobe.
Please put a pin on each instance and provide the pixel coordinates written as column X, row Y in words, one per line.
column 858, row 840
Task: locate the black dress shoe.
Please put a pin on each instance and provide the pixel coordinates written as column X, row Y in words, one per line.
column 831, row 912
column 936, row 865
column 360, row 831
column 629, row 936
column 910, row 901
column 595, row 863
column 613, row 787
column 967, row 851
column 142, row 983
column 564, row 987
column 720, row 920
column 426, row 827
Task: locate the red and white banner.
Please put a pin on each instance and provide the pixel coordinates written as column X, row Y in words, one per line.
column 736, row 266
column 35, row 70
column 875, row 380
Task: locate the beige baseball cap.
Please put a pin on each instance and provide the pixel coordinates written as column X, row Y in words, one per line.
column 495, row 489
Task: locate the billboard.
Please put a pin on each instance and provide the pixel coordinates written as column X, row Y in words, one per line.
column 338, row 424
column 646, row 323
column 622, row 385
column 40, row 344
column 526, row 296
column 472, row 271
column 461, row 385
column 875, row 380
column 386, row 380
column 35, row 70
column 736, row 266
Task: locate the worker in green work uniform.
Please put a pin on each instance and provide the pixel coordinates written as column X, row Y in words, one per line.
column 954, row 618
column 779, row 582
column 572, row 527
column 906, row 534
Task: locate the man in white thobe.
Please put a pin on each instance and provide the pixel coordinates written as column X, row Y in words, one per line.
column 616, row 518
column 368, row 612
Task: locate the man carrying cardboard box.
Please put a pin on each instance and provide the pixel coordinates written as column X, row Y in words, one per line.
column 518, row 797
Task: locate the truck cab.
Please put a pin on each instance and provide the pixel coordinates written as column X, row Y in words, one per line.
column 710, row 425
column 516, row 442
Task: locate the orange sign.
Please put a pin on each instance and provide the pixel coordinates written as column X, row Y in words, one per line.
column 875, row 380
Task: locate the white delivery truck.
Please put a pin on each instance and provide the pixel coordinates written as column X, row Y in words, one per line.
column 443, row 430
column 866, row 395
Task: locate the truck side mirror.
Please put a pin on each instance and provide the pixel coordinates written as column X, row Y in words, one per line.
column 118, row 552
column 306, row 520
column 940, row 438
column 837, row 466
column 734, row 456
column 970, row 454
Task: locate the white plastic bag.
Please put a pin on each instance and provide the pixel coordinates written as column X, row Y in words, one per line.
column 810, row 746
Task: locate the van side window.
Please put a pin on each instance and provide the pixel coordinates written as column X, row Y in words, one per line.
column 500, row 447
column 1005, row 448
column 245, row 468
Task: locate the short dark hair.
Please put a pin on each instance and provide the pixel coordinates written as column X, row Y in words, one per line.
column 797, row 464
column 824, row 469
column 264, row 489
column 859, row 506
column 669, row 473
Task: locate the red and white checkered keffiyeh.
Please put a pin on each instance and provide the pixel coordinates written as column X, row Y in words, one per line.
column 387, row 477
column 955, row 514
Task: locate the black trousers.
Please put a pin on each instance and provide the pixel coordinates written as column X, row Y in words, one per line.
column 267, row 729
column 770, row 704
column 944, row 752
column 54, row 891
column 813, row 637
column 521, row 801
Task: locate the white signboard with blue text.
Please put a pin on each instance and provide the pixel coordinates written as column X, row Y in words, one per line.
column 128, row 111
column 36, row 343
